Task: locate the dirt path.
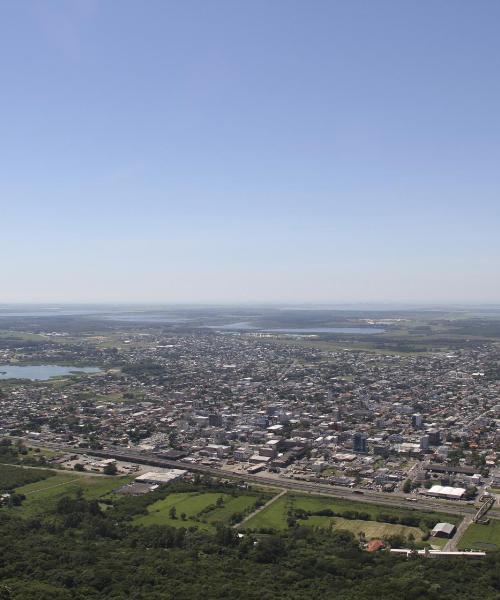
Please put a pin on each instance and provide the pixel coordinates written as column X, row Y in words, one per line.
column 451, row 545
column 255, row 512
column 58, row 471
column 51, row 486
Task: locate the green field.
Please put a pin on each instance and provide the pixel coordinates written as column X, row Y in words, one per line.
column 42, row 496
column 481, row 537
column 192, row 503
column 275, row 516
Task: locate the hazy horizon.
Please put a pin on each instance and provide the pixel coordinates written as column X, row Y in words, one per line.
column 296, row 306
column 239, row 153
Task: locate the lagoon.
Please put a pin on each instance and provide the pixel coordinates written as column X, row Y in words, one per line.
column 245, row 326
column 42, row 372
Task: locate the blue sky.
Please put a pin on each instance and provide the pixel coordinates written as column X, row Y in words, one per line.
column 273, row 151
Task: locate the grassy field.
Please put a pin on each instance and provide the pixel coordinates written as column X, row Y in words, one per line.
column 371, row 529
column 43, row 495
column 39, row 451
column 481, row 537
column 115, row 398
column 438, row 542
column 275, row 516
column 191, row 503
column 22, row 335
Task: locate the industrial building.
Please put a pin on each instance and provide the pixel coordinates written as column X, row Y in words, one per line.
column 443, row 530
column 445, row 491
column 161, row 477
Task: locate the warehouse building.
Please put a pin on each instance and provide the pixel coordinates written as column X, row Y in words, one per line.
column 445, row 491
column 443, row 530
column 161, row 477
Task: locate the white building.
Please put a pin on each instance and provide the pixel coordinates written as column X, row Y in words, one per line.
column 162, row 477
column 445, row 491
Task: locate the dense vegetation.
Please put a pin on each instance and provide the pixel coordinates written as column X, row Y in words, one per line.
column 78, row 551
column 15, row 452
column 13, row 477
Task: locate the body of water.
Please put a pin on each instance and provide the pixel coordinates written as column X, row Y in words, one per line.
column 244, row 326
column 41, row 372
column 144, row 318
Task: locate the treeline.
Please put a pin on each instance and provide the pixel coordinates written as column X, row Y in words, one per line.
column 421, row 520
column 15, row 452
column 77, row 551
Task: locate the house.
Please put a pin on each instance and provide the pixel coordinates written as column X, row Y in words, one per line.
column 375, row 545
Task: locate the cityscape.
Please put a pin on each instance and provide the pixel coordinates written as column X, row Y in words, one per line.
column 249, row 300
column 416, row 429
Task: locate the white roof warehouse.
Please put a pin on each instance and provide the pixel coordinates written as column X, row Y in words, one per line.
column 161, row 477
column 445, row 491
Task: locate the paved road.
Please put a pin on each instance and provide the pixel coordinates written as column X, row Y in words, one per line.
column 393, row 499
column 369, row 496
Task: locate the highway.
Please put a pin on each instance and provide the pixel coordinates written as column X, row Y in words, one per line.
column 393, row 499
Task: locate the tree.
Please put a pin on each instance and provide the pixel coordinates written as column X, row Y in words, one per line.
column 470, row 492
column 269, row 549
column 407, row 486
column 236, row 517
column 110, row 469
column 79, row 467
column 5, row 592
column 172, row 513
column 291, row 521
column 226, row 536
column 220, row 502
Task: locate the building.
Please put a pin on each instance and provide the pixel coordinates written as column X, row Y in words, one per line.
column 439, row 468
column 162, row 477
column 360, row 442
column 434, row 437
column 436, row 553
column 444, row 491
column 215, row 420
column 495, row 479
column 382, row 450
column 416, row 421
column 443, row 530
column 241, row 454
column 259, row 460
column 375, row 545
